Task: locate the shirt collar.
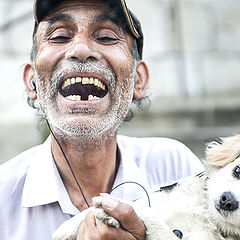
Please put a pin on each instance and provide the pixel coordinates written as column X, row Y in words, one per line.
column 129, row 173
column 43, row 184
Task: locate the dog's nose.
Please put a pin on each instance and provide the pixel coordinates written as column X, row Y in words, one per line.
column 228, row 202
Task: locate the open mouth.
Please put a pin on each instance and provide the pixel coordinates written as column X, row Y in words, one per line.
column 83, row 89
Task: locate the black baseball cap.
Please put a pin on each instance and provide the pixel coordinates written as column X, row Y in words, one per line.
column 43, row 7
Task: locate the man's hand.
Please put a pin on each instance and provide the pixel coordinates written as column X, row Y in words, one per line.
column 132, row 226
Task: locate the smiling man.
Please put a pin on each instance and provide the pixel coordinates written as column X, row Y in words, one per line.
column 86, row 68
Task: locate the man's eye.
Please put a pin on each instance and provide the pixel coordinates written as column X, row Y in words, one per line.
column 59, row 39
column 236, row 172
column 107, row 39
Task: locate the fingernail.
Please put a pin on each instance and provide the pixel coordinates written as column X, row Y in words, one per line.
column 110, row 203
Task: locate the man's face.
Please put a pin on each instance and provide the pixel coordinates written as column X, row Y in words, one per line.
column 84, row 70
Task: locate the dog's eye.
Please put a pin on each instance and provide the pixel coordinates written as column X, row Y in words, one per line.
column 178, row 233
column 236, row 172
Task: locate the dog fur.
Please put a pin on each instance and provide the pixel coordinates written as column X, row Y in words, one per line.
column 204, row 207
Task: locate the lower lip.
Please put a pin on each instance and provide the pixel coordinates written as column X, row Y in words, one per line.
column 82, row 104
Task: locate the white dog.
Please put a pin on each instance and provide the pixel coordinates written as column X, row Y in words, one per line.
column 205, row 207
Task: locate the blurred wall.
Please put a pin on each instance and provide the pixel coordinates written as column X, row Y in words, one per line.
column 192, row 48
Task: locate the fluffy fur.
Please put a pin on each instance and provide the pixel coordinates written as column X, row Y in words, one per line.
column 205, row 207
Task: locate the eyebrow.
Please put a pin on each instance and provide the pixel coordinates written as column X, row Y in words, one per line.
column 107, row 17
column 60, row 17
column 63, row 17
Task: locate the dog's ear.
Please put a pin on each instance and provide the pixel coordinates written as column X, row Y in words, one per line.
column 226, row 150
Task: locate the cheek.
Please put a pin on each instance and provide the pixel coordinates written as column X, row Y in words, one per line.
column 122, row 63
column 47, row 58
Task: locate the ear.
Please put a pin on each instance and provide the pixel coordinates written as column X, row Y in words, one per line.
column 28, row 76
column 141, row 80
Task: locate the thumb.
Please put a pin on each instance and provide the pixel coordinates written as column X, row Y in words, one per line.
column 126, row 215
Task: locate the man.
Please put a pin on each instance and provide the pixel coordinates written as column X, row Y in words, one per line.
column 84, row 72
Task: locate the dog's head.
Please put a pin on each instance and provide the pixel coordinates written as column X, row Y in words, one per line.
column 224, row 185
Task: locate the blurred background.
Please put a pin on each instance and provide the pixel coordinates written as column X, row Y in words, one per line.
column 192, row 48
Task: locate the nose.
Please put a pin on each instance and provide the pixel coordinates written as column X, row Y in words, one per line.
column 83, row 50
column 228, row 202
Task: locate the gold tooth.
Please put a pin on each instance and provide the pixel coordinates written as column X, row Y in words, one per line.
column 85, row 80
column 78, row 79
column 96, row 82
column 66, row 83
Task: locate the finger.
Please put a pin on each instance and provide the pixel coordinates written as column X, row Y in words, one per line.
column 106, row 232
column 94, row 229
column 87, row 226
column 80, row 231
column 126, row 215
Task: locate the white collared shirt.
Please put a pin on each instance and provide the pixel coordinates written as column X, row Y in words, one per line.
column 33, row 198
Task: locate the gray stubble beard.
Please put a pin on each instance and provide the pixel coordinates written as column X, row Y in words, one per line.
column 82, row 134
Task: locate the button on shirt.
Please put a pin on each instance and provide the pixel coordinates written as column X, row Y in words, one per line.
column 34, row 200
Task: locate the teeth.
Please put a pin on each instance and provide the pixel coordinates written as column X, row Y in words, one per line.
column 78, row 79
column 91, row 97
column 95, row 82
column 73, row 80
column 66, row 83
column 74, row 97
column 85, row 80
column 78, row 98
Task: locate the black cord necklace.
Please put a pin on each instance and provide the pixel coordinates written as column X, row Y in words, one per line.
column 69, row 165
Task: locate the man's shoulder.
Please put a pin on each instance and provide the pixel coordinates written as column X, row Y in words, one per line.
column 152, row 144
column 16, row 168
column 162, row 160
column 159, row 152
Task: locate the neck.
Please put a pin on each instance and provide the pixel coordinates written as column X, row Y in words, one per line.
column 94, row 168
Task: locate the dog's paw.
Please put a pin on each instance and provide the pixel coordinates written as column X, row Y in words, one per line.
column 68, row 230
column 101, row 215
